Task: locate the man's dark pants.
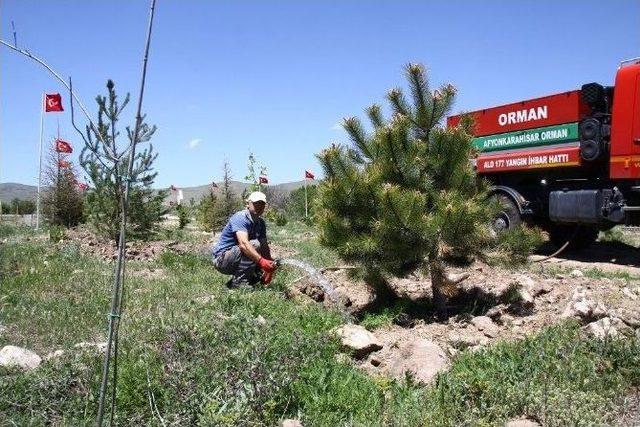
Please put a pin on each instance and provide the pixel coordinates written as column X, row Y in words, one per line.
column 234, row 262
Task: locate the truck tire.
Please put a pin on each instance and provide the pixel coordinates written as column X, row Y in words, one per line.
column 508, row 217
column 579, row 236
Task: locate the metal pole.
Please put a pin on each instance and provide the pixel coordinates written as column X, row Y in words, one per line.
column 306, row 209
column 116, row 300
column 40, row 163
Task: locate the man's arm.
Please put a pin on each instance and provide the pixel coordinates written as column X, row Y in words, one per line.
column 246, row 247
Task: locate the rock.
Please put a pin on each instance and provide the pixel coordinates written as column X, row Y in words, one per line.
column 357, row 296
column 524, row 281
column 463, row 339
column 582, row 307
column 575, row 273
column 15, row 356
column 291, row 423
column 486, row 326
column 421, row 358
column 629, row 317
column 602, row 329
column 525, row 298
column 261, row 320
column 97, row 346
column 521, row 422
column 629, row 294
column 358, row 339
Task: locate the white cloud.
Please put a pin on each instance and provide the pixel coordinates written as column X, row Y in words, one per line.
column 337, row 126
column 194, row 143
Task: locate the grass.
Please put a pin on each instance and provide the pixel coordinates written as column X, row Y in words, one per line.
column 254, row 358
column 592, row 273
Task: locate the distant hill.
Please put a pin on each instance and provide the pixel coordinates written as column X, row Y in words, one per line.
column 237, row 187
column 11, row 190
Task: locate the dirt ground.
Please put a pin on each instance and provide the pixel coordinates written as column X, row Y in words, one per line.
column 497, row 304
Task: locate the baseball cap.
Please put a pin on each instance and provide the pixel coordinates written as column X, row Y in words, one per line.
column 257, row 196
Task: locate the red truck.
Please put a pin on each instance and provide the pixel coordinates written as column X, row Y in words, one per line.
column 569, row 162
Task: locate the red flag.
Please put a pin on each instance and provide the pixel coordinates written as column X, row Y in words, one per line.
column 63, row 146
column 53, row 102
column 64, row 164
column 83, row 186
column 309, row 175
column 263, row 180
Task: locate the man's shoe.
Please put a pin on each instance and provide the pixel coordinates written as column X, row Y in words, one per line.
column 240, row 284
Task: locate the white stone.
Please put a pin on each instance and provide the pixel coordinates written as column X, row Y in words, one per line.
column 421, row 358
column 358, row 339
column 486, row 326
column 291, row 423
column 261, row 320
column 15, row 356
column 602, row 329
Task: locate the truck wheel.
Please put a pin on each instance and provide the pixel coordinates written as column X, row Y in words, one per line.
column 579, row 236
column 508, row 217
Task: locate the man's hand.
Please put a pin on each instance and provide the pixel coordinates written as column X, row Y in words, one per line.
column 266, row 265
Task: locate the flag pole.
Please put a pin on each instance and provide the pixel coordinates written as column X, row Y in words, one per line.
column 40, row 162
column 306, row 209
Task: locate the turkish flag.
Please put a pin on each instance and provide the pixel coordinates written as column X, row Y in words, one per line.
column 263, row 180
column 82, row 186
column 64, row 164
column 63, row 146
column 309, row 175
column 53, row 102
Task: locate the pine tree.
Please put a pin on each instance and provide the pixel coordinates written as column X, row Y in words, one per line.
column 215, row 209
column 405, row 196
column 229, row 200
column 63, row 201
column 107, row 165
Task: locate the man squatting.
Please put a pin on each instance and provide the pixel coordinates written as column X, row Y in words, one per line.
column 243, row 250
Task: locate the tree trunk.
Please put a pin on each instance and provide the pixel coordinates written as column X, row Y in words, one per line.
column 438, row 282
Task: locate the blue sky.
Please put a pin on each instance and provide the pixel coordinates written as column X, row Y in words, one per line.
column 276, row 77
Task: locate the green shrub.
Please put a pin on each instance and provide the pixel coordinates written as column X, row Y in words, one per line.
column 515, row 245
column 57, row 233
column 184, row 217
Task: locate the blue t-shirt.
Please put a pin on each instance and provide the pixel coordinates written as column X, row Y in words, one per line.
column 240, row 221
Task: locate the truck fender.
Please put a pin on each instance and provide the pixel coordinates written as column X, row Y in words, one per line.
column 516, row 197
